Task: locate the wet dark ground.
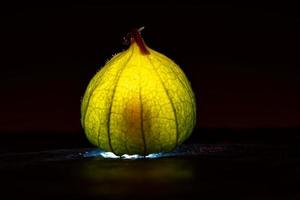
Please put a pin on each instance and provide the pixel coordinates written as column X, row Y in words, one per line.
column 219, row 164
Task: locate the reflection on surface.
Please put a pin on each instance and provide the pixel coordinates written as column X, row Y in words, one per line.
column 162, row 170
column 155, row 174
column 136, row 176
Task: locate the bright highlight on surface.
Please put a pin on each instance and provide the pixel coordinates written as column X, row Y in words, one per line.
column 110, row 155
column 140, row 102
column 129, row 157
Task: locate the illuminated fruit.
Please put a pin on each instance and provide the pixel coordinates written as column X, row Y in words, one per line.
column 140, row 102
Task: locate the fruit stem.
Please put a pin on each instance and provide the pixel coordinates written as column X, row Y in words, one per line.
column 137, row 37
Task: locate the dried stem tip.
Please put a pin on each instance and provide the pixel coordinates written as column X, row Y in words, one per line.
column 137, row 37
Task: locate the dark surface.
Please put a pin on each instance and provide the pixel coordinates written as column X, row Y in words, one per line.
column 71, row 169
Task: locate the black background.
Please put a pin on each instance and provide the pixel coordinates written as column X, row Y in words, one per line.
column 241, row 59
